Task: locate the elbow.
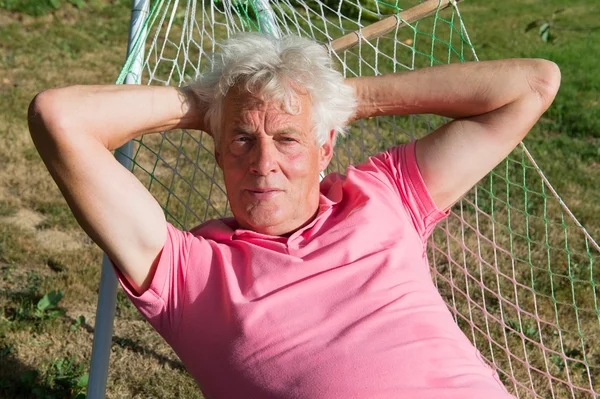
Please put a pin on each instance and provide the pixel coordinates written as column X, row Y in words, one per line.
column 40, row 116
column 34, row 115
column 544, row 81
column 47, row 123
column 45, row 115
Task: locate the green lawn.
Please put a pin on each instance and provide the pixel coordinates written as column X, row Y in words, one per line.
column 45, row 341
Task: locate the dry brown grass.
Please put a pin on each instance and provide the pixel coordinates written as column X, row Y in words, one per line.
column 67, row 48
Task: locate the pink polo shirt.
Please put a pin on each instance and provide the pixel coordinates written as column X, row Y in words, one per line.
column 343, row 308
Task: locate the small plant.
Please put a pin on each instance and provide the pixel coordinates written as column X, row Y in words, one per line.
column 558, row 361
column 545, row 25
column 529, row 331
column 46, row 307
column 532, row 333
column 79, row 321
column 66, row 376
column 25, row 308
column 34, row 280
column 62, row 378
column 575, row 354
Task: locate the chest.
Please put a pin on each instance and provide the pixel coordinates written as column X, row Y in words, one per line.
column 346, row 233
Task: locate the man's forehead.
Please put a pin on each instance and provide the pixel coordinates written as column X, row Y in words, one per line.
column 241, row 106
column 241, row 100
column 249, row 122
column 240, row 96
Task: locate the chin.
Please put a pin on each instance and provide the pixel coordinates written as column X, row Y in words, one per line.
column 268, row 226
column 260, row 215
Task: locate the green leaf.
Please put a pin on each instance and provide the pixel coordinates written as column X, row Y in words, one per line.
column 59, row 365
column 54, row 313
column 558, row 361
column 545, row 32
column 546, row 36
column 514, row 325
column 50, row 300
column 532, row 332
column 55, row 4
column 82, row 382
column 79, row 321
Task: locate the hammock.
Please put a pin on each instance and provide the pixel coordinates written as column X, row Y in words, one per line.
column 513, row 264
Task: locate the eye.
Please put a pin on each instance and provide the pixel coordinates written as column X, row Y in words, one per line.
column 288, row 139
column 241, row 139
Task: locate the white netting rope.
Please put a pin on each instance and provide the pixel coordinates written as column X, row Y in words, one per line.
column 514, row 266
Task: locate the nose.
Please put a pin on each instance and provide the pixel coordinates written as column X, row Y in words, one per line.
column 263, row 158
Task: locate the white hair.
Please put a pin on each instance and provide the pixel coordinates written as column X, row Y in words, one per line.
column 271, row 68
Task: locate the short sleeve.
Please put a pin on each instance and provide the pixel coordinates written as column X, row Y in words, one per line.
column 401, row 163
column 162, row 303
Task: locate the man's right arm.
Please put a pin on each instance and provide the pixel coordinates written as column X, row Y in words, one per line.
column 75, row 129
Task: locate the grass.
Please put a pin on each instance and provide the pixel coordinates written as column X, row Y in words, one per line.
column 57, row 214
column 38, row 7
column 7, row 209
column 570, row 130
column 55, row 43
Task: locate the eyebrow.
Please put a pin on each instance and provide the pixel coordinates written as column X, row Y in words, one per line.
column 288, row 130
column 243, row 129
column 247, row 129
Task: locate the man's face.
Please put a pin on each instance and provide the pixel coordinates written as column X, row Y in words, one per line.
column 271, row 163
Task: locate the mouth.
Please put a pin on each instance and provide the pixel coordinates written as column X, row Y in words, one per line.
column 264, row 193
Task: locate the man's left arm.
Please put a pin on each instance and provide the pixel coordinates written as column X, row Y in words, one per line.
column 494, row 104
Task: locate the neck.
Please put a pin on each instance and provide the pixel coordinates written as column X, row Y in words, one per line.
column 287, row 228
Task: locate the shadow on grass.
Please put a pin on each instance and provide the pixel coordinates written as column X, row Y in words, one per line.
column 23, row 310
column 20, row 381
column 134, row 346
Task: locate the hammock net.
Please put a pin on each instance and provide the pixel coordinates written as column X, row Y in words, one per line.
column 515, row 267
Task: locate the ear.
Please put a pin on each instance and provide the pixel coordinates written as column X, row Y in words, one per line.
column 326, row 151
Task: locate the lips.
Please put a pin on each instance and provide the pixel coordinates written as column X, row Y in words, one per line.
column 263, row 190
column 263, row 193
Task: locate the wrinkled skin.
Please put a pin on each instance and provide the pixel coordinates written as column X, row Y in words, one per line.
column 271, row 163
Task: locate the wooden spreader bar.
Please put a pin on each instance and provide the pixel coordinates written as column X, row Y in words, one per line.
column 388, row 24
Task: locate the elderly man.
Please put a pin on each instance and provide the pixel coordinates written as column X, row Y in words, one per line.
column 312, row 290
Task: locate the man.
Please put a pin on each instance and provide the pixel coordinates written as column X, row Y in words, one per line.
column 312, row 290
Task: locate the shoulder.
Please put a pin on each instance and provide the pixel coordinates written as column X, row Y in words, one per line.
column 381, row 170
column 215, row 229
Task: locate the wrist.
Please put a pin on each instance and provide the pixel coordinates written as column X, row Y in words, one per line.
column 192, row 109
column 362, row 94
column 354, row 83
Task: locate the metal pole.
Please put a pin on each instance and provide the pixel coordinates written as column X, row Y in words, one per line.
column 107, row 295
